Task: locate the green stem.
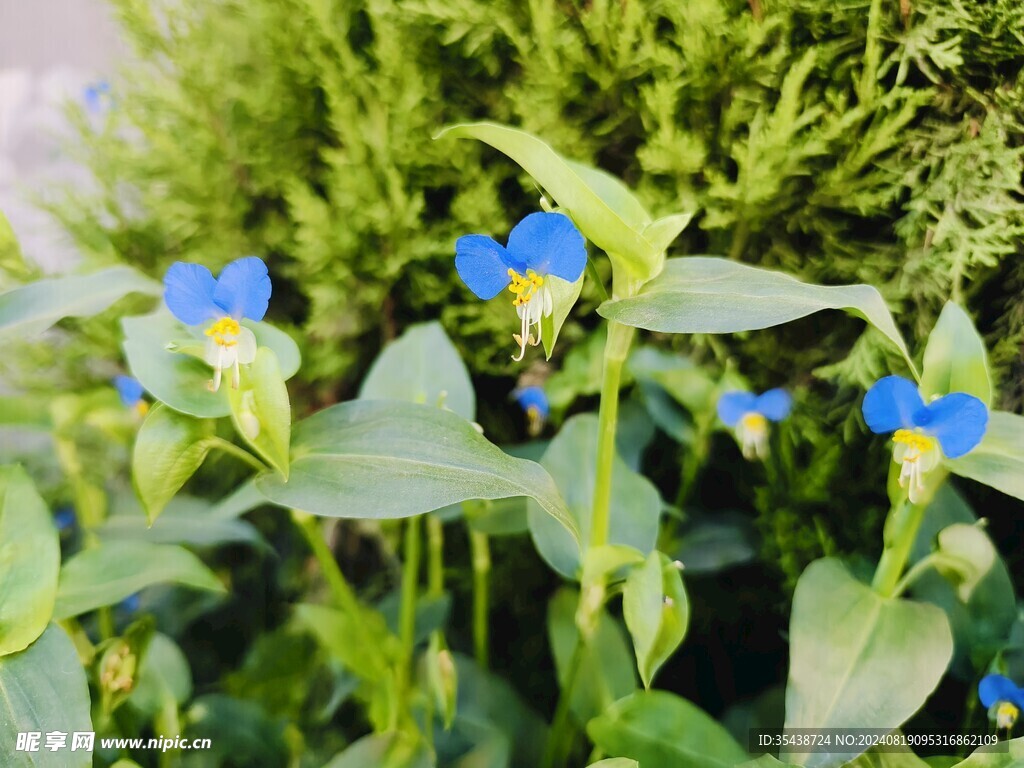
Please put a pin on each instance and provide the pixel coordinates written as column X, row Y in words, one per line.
column 615, row 352
column 407, row 614
column 559, row 741
column 239, row 453
column 922, row 565
column 481, row 553
column 872, row 54
column 900, row 531
column 342, row 592
column 435, row 556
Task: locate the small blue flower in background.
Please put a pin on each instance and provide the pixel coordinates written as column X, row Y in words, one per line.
column 241, row 292
column 97, row 96
column 1003, row 699
column 951, row 425
column 131, row 392
column 64, row 518
column 534, row 403
column 749, row 414
column 130, row 604
column 539, row 246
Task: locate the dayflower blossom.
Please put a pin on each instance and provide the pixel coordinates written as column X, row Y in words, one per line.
column 241, row 292
column 64, row 518
column 951, row 425
column 749, row 415
column 131, row 392
column 539, row 246
column 1003, row 699
column 97, row 96
column 534, row 402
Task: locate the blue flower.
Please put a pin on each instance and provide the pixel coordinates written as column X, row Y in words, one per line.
column 97, row 96
column 130, row 604
column 64, row 518
column 241, row 292
column 131, row 392
column 749, row 414
column 539, row 246
column 1003, row 699
column 951, row 425
column 534, row 403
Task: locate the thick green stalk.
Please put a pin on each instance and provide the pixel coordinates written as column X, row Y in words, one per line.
column 900, row 531
column 481, row 553
column 407, row 614
column 435, row 556
column 559, row 738
column 342, row 592
column 615, row 352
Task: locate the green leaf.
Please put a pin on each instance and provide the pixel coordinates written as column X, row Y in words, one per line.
column 570, row 459
column 764, row 761
column 605, row 667
column 563, row 298
column 605, row 562
column 955, row 359
column 661, row 729
column 1005, row 755
column 664, row 231
column 31, row 309
column 858, row 660
column 179, row 379
column 426, row 458
column 999, row 460
column 967, row 557
column 708, row 543
column 186, row 520
column 657, row 612
column 260, row 409
column 981, row 626
column 164, row 676
column 44, row 689
column 606, row 213
column 168, row 450
column 385, row 750
column 114, row 570
column 422, row 366
column 12, row 261
column 704, row 294
column 615, row 762
column 891, row 757
column 361, row 642
column 29, row 561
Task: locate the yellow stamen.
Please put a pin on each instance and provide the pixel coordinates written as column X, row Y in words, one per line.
column 524, row 287
column 1006, row 714
column 915, row 440
column 225, row 332
column 142, row 407
column 754, row 420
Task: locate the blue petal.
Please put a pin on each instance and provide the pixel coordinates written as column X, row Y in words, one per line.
column 533, row 397
column 890, row 404
column 957, row 420
column 549, row 244
column 64, row 518
column 188, row 293
column 131, row 603
column 732, row 406
column 995, row 688
column 483, row 265
column 243, row 288
column 774, row 404
column 129, row 389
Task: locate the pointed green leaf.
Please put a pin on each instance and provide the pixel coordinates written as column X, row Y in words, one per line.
column 703, row 294
column 44, row 689
column 570, row 459
column 606, row 213
column 955, row 358
column 31, row 309
column 425, row 458
column 999, row 460
column 260, row 409
column 661, row 729
column 657, row 612
column 615, row 762
column 168, row 450
column 114, row 570
column 663, row 232
column 563, row 298
column 29, row 561
column 179, row 379
column 858, row 660
column 1004, row 755
column 422, row 366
